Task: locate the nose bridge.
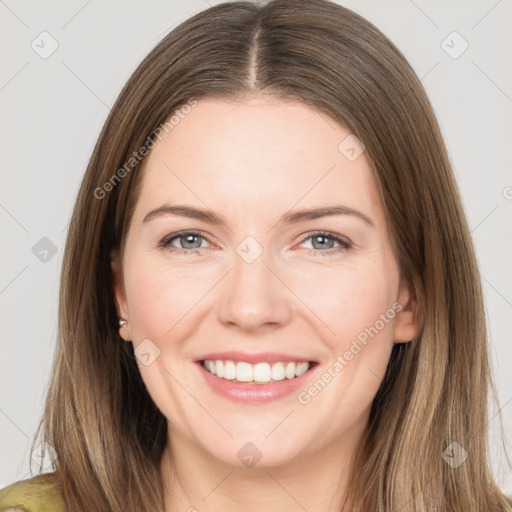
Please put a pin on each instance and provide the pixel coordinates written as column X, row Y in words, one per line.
column 253, row 295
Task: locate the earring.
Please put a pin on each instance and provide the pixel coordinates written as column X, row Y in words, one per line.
column 122, row 322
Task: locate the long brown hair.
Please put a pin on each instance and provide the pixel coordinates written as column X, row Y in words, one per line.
column 108, row 434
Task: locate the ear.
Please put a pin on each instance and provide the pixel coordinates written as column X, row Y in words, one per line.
column 406, row 325
column 119, row 294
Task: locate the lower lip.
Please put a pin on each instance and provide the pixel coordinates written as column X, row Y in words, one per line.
column 254, row 393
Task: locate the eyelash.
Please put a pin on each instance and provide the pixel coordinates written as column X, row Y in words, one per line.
column 345, row 245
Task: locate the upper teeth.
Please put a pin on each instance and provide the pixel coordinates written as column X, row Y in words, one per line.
column 260, row 372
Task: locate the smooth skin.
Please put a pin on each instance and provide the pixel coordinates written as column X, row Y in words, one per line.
column 251, row 162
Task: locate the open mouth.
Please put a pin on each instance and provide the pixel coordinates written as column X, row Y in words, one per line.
column 240, row 372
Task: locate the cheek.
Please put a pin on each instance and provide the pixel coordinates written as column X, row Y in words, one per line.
column 355, row 313
column 349, row 299
column 162, row 298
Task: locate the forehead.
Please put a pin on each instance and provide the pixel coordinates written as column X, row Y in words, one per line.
column 259, row 155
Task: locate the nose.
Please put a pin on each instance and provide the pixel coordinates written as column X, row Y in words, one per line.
column 253, row 296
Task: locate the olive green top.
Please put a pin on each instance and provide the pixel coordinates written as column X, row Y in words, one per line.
column 36, row 494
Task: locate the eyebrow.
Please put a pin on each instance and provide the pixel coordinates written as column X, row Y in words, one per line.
column 293, row 217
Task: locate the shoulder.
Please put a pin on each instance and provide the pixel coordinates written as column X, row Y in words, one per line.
column 37, row 494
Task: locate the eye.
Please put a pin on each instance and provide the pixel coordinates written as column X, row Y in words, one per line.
column 324, row 241
column 189, row 242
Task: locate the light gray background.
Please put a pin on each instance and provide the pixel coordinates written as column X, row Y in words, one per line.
column 53, row 109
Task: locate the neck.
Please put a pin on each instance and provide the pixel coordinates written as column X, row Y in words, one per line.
column 196, row 481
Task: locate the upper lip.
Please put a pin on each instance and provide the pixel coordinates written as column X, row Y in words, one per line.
column 253, row 358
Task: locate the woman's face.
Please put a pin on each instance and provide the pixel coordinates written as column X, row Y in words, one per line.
column 261, row 284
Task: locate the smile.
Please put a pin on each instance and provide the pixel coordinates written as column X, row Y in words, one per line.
column 260, row 373
column 258, row 383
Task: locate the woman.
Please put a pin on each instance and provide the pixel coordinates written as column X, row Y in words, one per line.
column 324, row 331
